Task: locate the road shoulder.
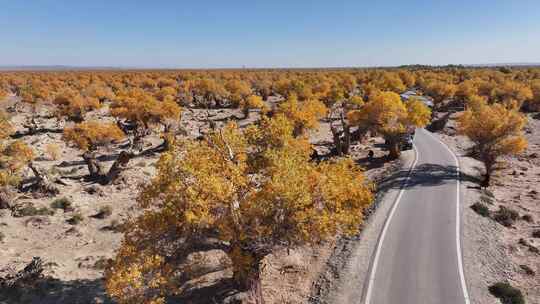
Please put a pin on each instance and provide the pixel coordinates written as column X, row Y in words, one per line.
column 484, row 259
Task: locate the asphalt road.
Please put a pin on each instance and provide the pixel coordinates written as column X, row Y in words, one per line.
column 418, row 257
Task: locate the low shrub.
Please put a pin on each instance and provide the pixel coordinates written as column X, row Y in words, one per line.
column 481, row 209
column 53, row 151
column 527, row 218
column 2, row 236
column 528, row 270
column 44, row 211
column 63, row 203
column 506, row 293
column 505, row 216
column 102, row 263
column 536, row 234
column 114, row 226
column 103, row 212
column 75, row 219
column 484, row 198
column 31, row 210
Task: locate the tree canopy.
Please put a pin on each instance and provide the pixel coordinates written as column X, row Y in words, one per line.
column 386, row 114
column 217, row 194
column 495, row 131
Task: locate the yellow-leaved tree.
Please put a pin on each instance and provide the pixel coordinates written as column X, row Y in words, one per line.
column 142, row 111
column 74, row 106
column 495, row 131
column 440, row 91
column 34, row 96
column 534, row 103
column 386, row 114
column 90, row 135
column 304, row 114
column 3, row 93
column 232, row 192
column 238, row 91
column 252, row 102
column 14, row 156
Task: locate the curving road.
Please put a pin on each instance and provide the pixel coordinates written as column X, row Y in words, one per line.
column 418, row 256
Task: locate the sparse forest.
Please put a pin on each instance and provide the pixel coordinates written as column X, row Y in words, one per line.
column 178, row 174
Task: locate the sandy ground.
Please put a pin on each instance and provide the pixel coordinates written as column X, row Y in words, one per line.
column 492, row 252
column 76, row 254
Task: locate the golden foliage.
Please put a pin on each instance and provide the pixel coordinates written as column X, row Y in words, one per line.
column 304, row 114
column 73, row 106
column 89, row 135
column 14, row 155
column 53, row 151
column 238, row 90
column 253, row 102
column 386, row 114
column 138, row 277
column 495, row 131
column 100, row 91
column 354, row 102
column 535, row 100
column 440, row 91
column 13, row 158
column 3, row 93
column 418, row 114
column 144, row 109
column 5, row 126
column 214, row 192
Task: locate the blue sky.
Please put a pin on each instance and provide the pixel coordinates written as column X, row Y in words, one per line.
column 273, row 33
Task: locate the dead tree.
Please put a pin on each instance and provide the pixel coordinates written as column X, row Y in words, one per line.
column 43, row 182
column 27, row 277
column 341, row 136
column 98, row 172
column 439, row 124
column 5, row 198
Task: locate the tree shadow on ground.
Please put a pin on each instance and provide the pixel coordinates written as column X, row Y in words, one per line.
column 373, row 163
column 21, row 134
column 424, row 175
column 220, row 291
column 53, row 291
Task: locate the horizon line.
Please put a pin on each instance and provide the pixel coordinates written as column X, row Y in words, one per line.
column 30, row 67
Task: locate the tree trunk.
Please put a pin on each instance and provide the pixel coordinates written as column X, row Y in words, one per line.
column 137, row 144
column 298, row 131
column 97, row 172
column 247, row 273
column 94, row 167
column 393, row 146
column 346, row 145
column 118, row 166
column 486, row 181
column 25, row 278
column 31, row 125
column 337, row 140
column 43, row 183
column 5, row 198
column 489, row 171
